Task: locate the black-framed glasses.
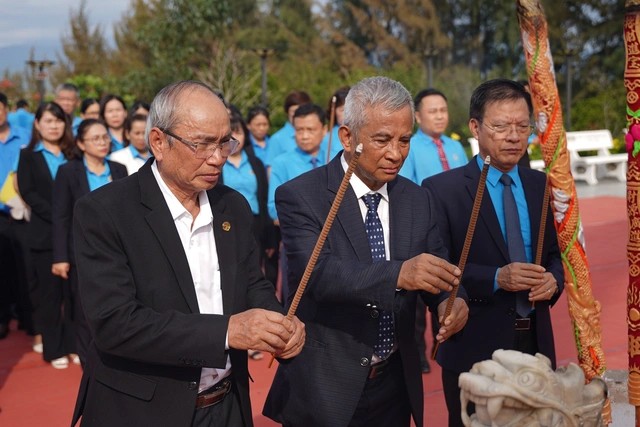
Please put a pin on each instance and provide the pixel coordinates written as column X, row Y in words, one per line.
column 204, row 150
column 503, row 130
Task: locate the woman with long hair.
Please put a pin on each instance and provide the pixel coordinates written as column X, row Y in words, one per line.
column 87, row 171
column 50, row 147
column 258, row 125
column 113, row 111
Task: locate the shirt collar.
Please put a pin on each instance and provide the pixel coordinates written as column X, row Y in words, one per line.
column 176, row 208
column 359, row 187
column 493, row 177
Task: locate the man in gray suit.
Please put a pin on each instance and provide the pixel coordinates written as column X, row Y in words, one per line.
column 360, row 363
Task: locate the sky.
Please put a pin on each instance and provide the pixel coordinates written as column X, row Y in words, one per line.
column 41, row 24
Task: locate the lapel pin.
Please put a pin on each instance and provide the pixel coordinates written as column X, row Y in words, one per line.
column 226, row 226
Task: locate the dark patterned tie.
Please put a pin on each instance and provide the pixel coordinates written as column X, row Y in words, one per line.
column 441, row 154
column 376, row 242
column 515, row 243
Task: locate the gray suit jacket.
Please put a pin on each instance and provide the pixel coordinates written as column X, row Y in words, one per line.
column 322, row 385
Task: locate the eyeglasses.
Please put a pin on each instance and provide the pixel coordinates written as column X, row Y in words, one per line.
column 98, row 139
column 503, row 130
column 204, row 150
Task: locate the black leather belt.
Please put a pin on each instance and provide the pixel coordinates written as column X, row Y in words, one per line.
column 213, row 395
column 523, row 324
column 379, row 368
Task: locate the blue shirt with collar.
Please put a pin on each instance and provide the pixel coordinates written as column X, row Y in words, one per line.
column 96, row 181
column 261, row 152
column 283, row 141
column 136, row 154
column 22, row 119
column 242, row 179
column 288, row 166
column 115, row 144
column 423, row 160
column 76, row 124
column 10, row 154
column 495, row 189
column 54, row 161
column 336, row 145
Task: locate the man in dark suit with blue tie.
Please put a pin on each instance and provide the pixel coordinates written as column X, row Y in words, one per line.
column 509, row 295
column 360, row 364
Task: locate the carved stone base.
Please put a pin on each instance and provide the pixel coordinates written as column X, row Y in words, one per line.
column 516, row 389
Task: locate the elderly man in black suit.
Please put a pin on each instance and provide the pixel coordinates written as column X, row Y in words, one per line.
column 170, row 280
column 500, row 278
column 360, row 365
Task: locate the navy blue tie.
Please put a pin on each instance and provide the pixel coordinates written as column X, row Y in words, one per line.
column 314, row 162
column 375, row 234
column 515, row 243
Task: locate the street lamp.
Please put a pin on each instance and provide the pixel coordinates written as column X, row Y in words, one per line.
column 430, row 53
column 263, row 53
column 41, row 67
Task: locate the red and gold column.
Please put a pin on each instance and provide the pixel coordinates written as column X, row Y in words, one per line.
column 584, row 310
column 632, row 84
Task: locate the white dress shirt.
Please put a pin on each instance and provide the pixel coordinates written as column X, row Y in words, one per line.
column 199, row 246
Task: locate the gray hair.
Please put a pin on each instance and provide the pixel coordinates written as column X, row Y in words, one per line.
column 374, row 92
column 69, row 87
column 163, row 112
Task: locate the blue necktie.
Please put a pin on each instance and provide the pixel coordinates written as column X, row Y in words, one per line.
column 515, row 243
column 375, row 234
column 314, row 162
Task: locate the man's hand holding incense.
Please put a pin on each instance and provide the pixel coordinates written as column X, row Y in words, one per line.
column 455, row 321
column 429, row 273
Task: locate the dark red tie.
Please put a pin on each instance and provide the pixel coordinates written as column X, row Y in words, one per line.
column 443, row 157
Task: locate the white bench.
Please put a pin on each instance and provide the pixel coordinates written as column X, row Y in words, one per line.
column 586, row 168
column 602, row 164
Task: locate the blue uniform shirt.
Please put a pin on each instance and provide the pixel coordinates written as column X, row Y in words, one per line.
column 22, row 119
column 95, row 180
column 495, row 188
column 115, row 144
column 283, row 141
column 288, row 166
column 76, row 124
column 10, row 154
column 423, row 160
column 53, row 161
column 243, row 180
column 261, row 152
column 336, row 145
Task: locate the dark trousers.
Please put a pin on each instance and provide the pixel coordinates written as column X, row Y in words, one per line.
column 83, row 334
column 53, row 312
column 384, row 401
column 524, row 341
column 14, row 285
column 225, row 413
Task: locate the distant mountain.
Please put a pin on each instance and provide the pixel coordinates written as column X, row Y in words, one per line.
column 14, row 57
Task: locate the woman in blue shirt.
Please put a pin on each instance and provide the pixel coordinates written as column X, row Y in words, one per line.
column 87, row 171
column 50, row 147
column 258, row 124
column 113, row 111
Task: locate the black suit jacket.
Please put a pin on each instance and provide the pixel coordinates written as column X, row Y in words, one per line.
column 340, row 307
column 70, row 184
column 491, row 314
column 150, row 341
column 36, row 187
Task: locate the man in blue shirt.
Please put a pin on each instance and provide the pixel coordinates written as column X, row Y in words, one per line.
column 68, row 97
column 284, row 139
column 13, row 286
column 431, row 151
column 309, row 125
column 22, row 118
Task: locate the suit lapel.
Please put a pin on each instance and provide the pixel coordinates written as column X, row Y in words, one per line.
column 161, row 223
column 488, row 215
column 349, row 215
column 81, row 174
column 400, row 219
column 225, row 232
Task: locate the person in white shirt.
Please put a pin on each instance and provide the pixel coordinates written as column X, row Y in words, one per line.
column 137, row 152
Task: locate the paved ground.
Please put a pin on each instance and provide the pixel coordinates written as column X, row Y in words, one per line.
column 32, row 393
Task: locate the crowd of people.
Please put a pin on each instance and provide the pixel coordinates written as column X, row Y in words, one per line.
column 162, row 283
